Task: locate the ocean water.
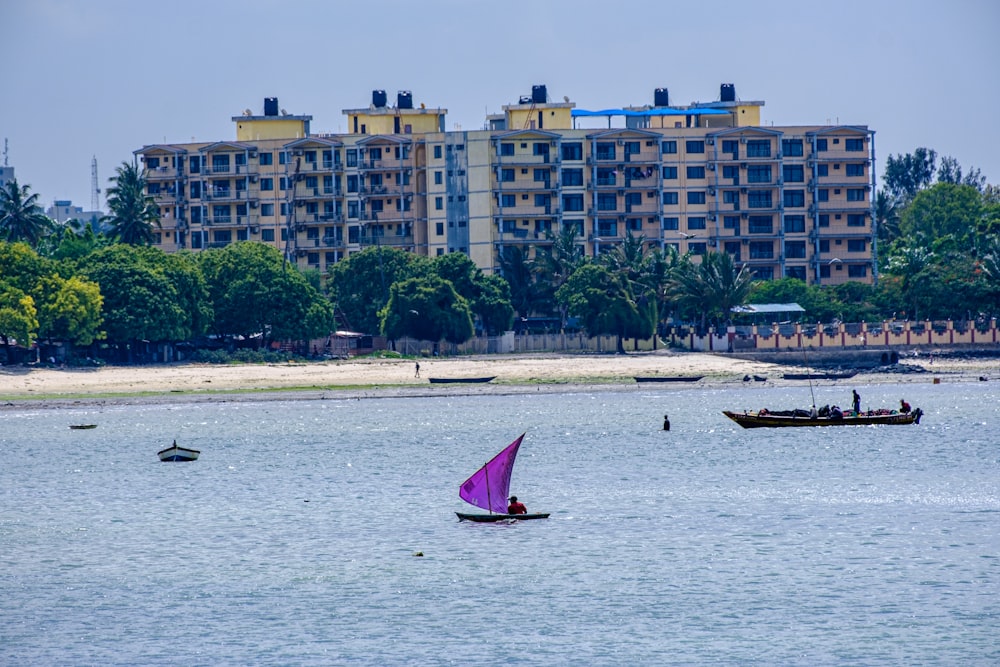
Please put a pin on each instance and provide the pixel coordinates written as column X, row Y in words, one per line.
column 293, row 539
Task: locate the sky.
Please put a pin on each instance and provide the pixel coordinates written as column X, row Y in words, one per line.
column 84, row 79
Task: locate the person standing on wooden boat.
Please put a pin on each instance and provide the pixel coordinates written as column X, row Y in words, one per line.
column 904, row 407
column 515, row 507
column 857, row 401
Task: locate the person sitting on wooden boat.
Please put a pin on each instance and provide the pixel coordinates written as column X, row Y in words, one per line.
column 904, row 407
column 515, row 507
column 836, row 412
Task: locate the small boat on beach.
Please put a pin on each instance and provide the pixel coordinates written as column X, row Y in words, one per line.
column 488, row 488
column 82, row 427
column 176, row 453
column 844, row 375
column 795, row 418
column 668, row 378
column 468, row 380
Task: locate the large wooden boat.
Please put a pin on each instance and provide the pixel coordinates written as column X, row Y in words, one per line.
column 794, row 418
column 471, row 380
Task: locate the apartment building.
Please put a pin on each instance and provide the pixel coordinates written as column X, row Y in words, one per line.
column 788, row 201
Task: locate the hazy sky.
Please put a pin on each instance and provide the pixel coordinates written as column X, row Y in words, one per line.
column 85, row 78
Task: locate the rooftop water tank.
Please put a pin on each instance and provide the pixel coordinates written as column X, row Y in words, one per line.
column 661, row 97
column 270, row 106
column 404, row 99
column 539, row 95
column 727, row 92
column 379, row 99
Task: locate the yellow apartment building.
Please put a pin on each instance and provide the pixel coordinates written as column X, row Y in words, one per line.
column 788, row 201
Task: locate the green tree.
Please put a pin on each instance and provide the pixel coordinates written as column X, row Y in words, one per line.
column 134, row 215
column 21, row 218
column 554, row 265
column 951, row 172
column 252, row 290
column 906, row 175
column 427, row 308
column 713, row 287
column 944, row 209
column 603, row 301
column 69, row 309
column 489, row 297
column 519, row 272
column 18, row 318
column 359, row 285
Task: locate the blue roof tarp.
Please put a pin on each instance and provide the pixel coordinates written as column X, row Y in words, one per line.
column 769, row 308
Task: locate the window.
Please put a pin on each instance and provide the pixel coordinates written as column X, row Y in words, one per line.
column 695, row 197
column 352, row 157
column 824, row 245
column 267, row 210
column 824, row 220
column 540, row 175
column 759, row 199
column 856, row 219
column 731, row 146
column 822, row 195
column 760, row 224
column 697, row 247
column 607, row 202
column 605, row 150
column 856, row 245
column 311, row 182
column 671, row 223
column 668, row 147
column 823, row 170
column 733, row 248
column 352, row 183
column 572, row 151
column 195, row 189
column 795, row 249
column 795, row 198
column 670, row 173
column 857, row 271
column 633, row 224
column 758, row 148
column 267, row 235
column 696, row 222
column 540, row 148
column 437, row 153
column 696, row 172
column 855, row 170
column 574, row 224
column 854, row 145
column 541, row 201
column 759, row 173
column 220, row 163
column 731, row 197
column 266, row 158
column 793, row 173
column 791, row 147
column 797, row 272
column 438, row 178
column 694, row 146
column 855, row 194
column 732, row 172
column 572, row 177
column 506, row 175
column 282, row 157
column 795, row 223
column 572, row 202
column 506, row 149
column 607, row 227
column 761, row 250
column 606, row 176
column 821, row 145
column 731, row 222
column 670, row 198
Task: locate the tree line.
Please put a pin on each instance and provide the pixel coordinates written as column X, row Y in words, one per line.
column 939, row 258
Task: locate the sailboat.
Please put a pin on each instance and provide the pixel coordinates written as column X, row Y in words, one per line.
column 488, row 488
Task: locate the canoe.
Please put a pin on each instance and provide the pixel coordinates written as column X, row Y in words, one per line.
column 80, row 427
column 669, row 378
column 820, row 376
column 175, row 453
column 493, row 518
column 770, row 420
column 450, row 380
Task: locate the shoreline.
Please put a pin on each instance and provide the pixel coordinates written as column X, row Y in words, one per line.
column 39, row 388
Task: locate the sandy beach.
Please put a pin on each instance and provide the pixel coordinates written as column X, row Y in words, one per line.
column 22, row 386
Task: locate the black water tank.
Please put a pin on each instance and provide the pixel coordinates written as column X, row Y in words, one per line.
column 404, row 99
column 270, row 106
column 379, row 99
column 539, row 95
column 727, row 92
column 661, row 97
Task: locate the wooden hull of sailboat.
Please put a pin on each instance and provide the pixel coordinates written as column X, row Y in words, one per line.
column 493, row 518
column 767, row 420
column 82, row 427
column 819, row 376
column 468, row 380
column 668, row 378
column 176, row 453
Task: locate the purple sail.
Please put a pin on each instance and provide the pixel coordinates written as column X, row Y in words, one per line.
column 489, row 486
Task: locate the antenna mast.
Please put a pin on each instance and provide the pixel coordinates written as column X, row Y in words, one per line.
column 5, row 151
column 95, row 192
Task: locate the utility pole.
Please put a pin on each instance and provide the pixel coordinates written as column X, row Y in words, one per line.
column 95, row 191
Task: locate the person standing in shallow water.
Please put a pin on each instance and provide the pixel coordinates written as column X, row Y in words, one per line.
column 666, row 423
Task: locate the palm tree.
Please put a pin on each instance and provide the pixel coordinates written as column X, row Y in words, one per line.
column 21, row 218
column 713, row 287
column 553, row 268
column 134, row 214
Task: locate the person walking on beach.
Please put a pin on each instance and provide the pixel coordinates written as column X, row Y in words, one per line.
column 857, row 401
column 417, row 371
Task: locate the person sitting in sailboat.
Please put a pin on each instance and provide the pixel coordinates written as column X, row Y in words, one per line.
column 515, row 507
column 904, row 407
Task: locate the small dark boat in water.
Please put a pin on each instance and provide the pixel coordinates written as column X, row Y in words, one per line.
column 469, row 380
column 786, row 418
column 82, row 427
column 668, row 378
column 176, row 453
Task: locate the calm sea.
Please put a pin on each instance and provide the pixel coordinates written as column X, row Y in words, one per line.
column 293, row 539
